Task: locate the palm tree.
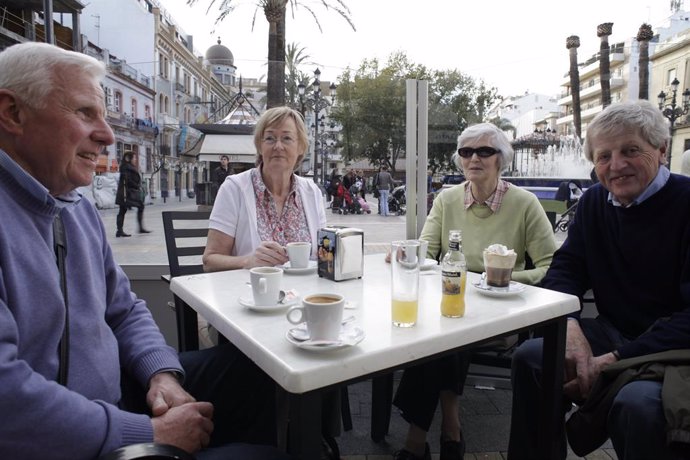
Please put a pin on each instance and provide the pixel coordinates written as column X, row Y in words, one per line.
column 275, row 12
column 572, row 43
column 603, row 32
column 294, row 58
column 644, row 35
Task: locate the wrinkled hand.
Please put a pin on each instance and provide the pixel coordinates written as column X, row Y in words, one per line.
column 188, row 426
column 165, row 392
column 268, row 254
column 578, row 353
column 581, row 368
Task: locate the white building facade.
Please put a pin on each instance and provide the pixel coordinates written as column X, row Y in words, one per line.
column 526, row 112
column 185, row 90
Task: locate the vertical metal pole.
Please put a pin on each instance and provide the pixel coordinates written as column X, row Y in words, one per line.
column 77, row 44
column 416, row 149
column 411, row 161
column 317, row 172
column 422, row 152
column 48, row 20
column 672, row 119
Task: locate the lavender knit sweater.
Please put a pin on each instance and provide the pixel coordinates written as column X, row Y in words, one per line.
column 109, row 328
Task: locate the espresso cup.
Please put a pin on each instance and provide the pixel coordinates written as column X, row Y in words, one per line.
column 266, row 282
column 323, row 314
column 298, row 253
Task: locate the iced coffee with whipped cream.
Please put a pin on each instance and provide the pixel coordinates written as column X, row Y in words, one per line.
column 498, row 265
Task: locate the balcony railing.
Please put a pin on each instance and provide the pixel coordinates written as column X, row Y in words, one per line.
column 168, row 122
column 146, row 81
column 122, row 120
column 145, row 126
column 124, row 69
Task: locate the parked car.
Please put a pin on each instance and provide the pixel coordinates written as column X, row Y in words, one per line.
column 451, row 180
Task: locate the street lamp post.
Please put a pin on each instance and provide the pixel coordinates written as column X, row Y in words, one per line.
column 316, row 102
column 672, row 111
column 323, row 141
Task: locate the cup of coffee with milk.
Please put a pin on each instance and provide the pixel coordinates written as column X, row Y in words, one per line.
column 498, row 265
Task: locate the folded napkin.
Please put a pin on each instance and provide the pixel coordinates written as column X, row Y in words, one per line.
column 351, row 253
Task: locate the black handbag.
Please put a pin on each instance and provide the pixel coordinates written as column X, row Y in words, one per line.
column 133, row 196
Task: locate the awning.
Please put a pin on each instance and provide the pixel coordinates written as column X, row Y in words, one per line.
column 238, row 147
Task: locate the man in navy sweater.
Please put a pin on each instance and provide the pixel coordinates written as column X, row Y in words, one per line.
column 65, row 347
column 630, row 244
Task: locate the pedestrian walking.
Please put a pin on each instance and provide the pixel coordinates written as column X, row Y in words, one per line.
column 385, row 183
column 129, row 193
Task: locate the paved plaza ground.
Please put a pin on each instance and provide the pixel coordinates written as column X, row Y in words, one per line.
column 484, row 409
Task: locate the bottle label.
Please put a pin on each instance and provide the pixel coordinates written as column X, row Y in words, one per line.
column 450, row 283
column 453, row 245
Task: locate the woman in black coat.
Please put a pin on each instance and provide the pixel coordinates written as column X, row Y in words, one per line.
column 129, row 193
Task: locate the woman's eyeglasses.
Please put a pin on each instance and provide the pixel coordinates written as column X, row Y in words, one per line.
column 482, row 152
column 286, row 140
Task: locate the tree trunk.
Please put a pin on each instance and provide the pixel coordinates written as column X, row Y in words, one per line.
column 275, row 11
column 280, row 78
column 572, row 43
column 644, row 35
column 603, row 32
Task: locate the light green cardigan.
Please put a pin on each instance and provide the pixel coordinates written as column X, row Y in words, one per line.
column 520, row 224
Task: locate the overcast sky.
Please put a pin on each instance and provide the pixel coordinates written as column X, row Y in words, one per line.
column 516, row 46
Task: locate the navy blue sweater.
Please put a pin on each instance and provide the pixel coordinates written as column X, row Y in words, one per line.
column 637, row 262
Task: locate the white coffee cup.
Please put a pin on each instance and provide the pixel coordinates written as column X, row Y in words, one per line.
column 323, row 314
column 298, row 253
column 266, row 282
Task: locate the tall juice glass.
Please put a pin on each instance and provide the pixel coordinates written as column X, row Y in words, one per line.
column 406, row 257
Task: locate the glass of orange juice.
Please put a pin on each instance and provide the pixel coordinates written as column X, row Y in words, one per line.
column 406, row 257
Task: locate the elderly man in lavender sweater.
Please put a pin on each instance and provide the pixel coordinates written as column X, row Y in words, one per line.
column 66, row 402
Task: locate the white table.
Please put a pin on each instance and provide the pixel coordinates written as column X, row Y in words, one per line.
column 303, row 374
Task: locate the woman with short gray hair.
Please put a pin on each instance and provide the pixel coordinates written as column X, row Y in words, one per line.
column 488, row 210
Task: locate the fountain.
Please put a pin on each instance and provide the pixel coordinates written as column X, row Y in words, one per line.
column 565, row 160
column 544, row 160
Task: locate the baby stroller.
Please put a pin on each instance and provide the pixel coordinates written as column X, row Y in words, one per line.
column 343, row 202
column 355, row 193
column 570, row 192
column 397, row 202
column 363, row 204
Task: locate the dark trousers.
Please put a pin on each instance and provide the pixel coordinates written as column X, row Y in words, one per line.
column 420, row 387
column 243, row 397
column 123, row 211
column 635, row 422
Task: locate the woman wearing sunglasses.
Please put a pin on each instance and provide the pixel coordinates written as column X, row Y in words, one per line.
column 488, row 210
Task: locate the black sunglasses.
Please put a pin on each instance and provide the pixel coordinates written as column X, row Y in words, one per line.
column 482, row 152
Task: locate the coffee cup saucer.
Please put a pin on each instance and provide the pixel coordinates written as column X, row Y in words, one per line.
column 248, row 302
column 310, row 268
column 349, row 336
column 513, row 288
column 429, row 264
